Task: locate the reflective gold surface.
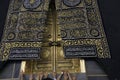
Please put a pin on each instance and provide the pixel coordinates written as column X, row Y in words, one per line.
column 52, row 57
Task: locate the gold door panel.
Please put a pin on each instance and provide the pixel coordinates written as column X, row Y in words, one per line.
column 71, row 65
column 52, row 61
column 44, row 64
column 52, row 56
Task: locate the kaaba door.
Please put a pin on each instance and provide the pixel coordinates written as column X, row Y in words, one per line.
column 52, row 56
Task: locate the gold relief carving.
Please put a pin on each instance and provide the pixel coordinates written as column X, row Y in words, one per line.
column 53, row 62
column 73, row 65
column 44, row 64
column 45, row 54
column 61, row 53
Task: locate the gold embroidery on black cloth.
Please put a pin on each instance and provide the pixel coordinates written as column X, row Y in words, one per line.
column 78, row 23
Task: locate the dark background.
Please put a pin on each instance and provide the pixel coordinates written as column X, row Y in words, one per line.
column 110, row 12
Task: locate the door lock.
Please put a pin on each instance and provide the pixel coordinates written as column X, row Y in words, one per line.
column 54, row 43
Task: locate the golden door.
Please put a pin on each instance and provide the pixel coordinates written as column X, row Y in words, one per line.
column 52, row 56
